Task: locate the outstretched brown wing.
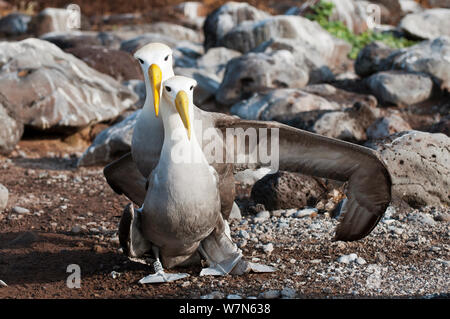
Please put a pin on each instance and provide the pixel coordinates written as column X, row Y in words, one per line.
column 369, row 182
column 124, row 178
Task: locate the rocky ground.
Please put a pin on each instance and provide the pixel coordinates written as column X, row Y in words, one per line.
column 69, row 100
column 59, row 215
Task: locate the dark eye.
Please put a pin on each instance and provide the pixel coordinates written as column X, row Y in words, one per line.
column 168, row 88
column 166, row 58
column 191, row 88
column 141, row 61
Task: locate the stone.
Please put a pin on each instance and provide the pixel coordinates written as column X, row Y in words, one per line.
column 443, row 126
column 192, row 12
column 71, row 39
column 428, row 24
column 419, row 165
column 173, row 31
column 373, row 58
column 257, row 72
column 346, row 259
column 284, row 190
column 348, row 125
column 11, row 131
column 118, row 64
column 222, row 20
column 305, row 56
column 76, row 229
column 270, row 294
column 3, row 284
column 283, row 105
column 251, row 176
column 207, row 83
column 307, row 212
column 235, row 213
column 264, row 215
column 213, row 295
column 300, row 108
column 20, row 210
column 429, row 57
column 268, row 248
column 111, row 143
column 422, row 218
column 400, row 88
column 52, row 20
column 134, row 44
column 244, row 234
column 443, row 217
column 360, row 261
column 216, row 59
column 288, row 293
column 4, row 195
column 70, row 94
column 14, row 24
column 387, row 125
column 234, row 296
column 249, row 35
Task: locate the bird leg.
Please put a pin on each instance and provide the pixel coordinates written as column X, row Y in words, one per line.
column 160, row 276
column 224, row 257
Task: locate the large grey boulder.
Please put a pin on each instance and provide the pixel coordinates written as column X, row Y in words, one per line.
column 373, row 58
column 49, row 89
column 10, row 130
column 430, row 57
column 134, row 44
column 305, row 57
column 207, row 83
column 225, row 18
column 281, row 105
column 215, row 60
column 257, row 72
column 428, row 24
column 14, row 24
column 386, row 126
column 110, row 143
column 171, row 30
column 250, row 34
column 76, row 38
column 285, row 190
column 419, row 164
column 349, row 125
column 118, row 64
column 400, row 88
column 299, row 107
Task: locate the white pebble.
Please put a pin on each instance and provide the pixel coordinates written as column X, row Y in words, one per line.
column 268, row 248
column 20, row 210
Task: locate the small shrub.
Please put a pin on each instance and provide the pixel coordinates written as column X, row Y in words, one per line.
column 322, row 12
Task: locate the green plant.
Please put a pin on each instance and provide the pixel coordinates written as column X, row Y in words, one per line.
column 322, row 12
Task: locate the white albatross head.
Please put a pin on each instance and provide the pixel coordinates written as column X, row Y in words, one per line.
column 178, row 93
column 156, row 63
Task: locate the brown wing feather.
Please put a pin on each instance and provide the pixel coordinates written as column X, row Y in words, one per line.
column 369, row 182
column 124, row 178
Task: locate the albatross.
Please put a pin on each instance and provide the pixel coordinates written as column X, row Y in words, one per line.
column 181, row 213
column 368, row 191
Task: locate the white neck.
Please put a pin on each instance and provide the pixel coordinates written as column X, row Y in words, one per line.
column 175, row 135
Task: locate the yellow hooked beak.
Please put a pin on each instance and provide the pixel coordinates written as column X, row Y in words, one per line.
column 182, row 105
column 155, row 76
